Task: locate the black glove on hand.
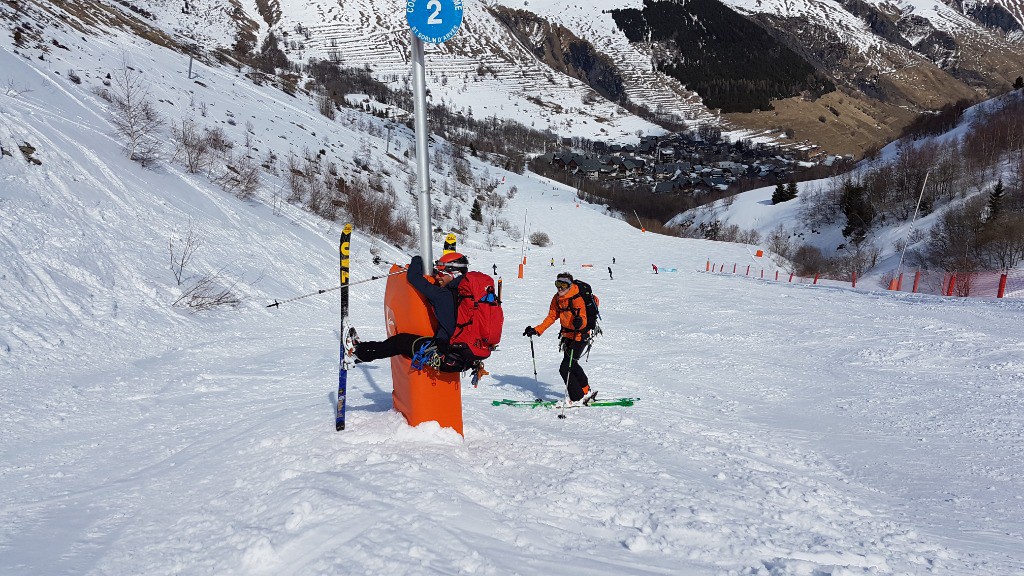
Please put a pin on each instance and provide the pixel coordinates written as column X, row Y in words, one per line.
column 416, row 265
column 577, row 322
column 530, row 331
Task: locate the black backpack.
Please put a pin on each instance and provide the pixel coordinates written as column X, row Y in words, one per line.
column 590, row 302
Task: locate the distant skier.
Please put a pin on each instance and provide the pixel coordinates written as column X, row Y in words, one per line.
column 610, row 273
column 495, row 267
column 655, row 266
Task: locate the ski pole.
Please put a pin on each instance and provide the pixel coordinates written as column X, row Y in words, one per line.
column 568, row 374
column 325, row 290
column 534, row 356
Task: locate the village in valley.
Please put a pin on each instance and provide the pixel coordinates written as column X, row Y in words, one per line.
column 694, row 164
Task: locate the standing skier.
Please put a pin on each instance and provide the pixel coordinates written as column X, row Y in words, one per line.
column 569, row 308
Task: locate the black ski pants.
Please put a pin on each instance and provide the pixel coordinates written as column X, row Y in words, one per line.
column 572, row 373
column 402, row 343
column 453, row 359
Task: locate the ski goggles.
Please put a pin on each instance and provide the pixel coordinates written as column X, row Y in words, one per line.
column 562, row 284
column 449, row 269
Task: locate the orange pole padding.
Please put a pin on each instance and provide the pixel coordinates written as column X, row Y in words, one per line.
column 899, row 282
column 952, row 284
column 917, row 279
column 854, row 280
column 790, row 276
column 520, row 270
column 776, row 275
column 893, row 285
column 707, row 267
column 524, row 260
column 816, row 274
column 1002, row 286
column 420, row 395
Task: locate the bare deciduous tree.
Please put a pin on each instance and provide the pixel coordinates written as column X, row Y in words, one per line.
column 14, row 92
column 190, row 147
column 325, row 104
column 209, row 291
column 206, row 291
column 241, row 177
column 134, row 117
column 779, row 243
column 182, row 251
column 296, row 179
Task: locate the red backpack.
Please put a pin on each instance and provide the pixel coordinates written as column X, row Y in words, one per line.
column 479, row 316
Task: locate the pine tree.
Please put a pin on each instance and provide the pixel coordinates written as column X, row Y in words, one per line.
column 779, row 195
column 995, row 200
column 791, row 190
column 477, row 213
column 859, row 213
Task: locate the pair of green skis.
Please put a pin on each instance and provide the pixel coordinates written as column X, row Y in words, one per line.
column 541, row 403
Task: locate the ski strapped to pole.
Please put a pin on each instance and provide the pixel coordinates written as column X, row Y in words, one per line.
column 343, row 286
column 450, row 243
column 344, row 251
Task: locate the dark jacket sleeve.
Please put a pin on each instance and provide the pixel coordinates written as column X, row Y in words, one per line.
column 442, row 300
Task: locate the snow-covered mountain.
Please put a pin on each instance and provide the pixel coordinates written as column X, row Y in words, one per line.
column 889, row 60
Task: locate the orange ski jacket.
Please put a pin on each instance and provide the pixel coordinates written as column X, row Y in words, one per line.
column 565, row 309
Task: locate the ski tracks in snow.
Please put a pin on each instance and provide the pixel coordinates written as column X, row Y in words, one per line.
column 684, row 496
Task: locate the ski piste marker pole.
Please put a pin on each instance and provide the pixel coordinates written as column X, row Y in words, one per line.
column 277, row 303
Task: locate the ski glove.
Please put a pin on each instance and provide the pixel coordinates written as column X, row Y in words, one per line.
column 530, row 331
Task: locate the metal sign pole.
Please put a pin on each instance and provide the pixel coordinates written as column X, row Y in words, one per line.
column 434, row 21
column 419, row 90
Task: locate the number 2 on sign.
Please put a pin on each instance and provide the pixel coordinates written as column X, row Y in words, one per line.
column 434, row 5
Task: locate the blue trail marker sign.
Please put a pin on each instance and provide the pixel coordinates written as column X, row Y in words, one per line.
column 434, row 21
